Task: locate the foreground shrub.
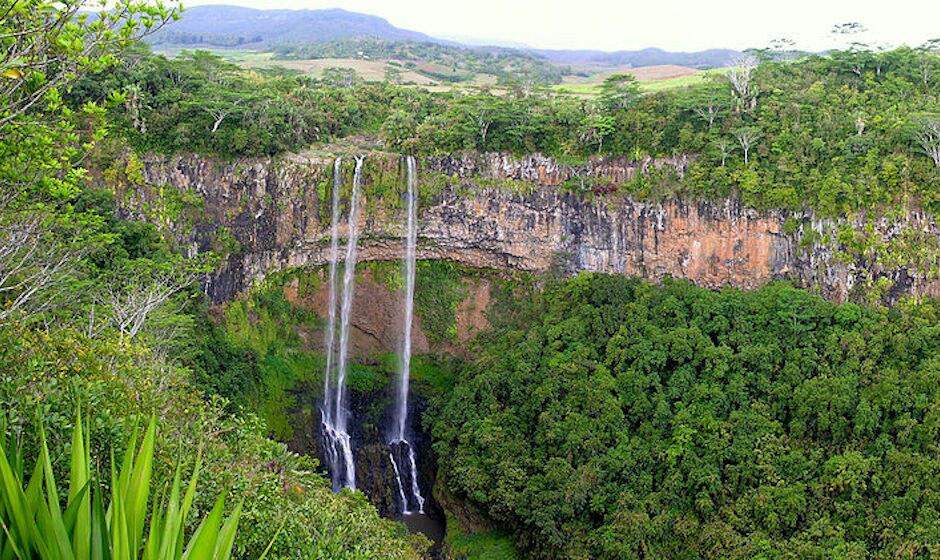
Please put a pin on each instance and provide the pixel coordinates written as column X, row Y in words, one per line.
column 34, row 526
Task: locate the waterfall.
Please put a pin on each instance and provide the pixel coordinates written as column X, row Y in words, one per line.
column 331, row 314
column 349, row 285
column 401, row 487
column 408, row 262
column 400, row 447
column 415, row 489
column 335, row 413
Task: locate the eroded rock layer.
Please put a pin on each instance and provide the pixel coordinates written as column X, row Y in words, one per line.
column 497, row 211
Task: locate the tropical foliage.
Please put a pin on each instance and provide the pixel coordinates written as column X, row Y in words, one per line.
column 35, row 527
column 608, row 418
column 841, row 133
column 602, row 417
column 102, row 313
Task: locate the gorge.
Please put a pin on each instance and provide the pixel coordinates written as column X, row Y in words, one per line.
column 505, row 310
column 337, row 443
column 488, row 212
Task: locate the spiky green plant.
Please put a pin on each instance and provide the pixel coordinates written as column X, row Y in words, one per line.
column 33, row 525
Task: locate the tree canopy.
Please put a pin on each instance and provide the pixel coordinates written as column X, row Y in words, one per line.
column 850, row 131
column 609, row 418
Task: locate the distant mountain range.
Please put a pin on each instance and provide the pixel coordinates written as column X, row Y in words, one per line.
column 221, row 26
column 230, row 26
column 646, row 57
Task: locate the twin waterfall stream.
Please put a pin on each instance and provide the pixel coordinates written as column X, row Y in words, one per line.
column 335, row 408
column 335, row 413
column 401, row 453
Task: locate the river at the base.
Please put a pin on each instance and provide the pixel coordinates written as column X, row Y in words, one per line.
column 428, row 526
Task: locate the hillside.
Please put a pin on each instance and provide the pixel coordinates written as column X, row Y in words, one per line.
column 712, row 58
column 221, row 26
column 439, row 62
column 231, row 26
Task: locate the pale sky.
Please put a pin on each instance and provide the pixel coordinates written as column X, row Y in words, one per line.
column 629, row 24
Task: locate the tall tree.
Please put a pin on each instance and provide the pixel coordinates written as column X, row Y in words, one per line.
column 747, row 138
column 741, row 78
column 619, row 91
column 929, row 60
column 45, row 46
column 708, row 102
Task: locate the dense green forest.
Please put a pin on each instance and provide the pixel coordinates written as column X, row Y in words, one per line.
column 605, row 417
column 841, row 133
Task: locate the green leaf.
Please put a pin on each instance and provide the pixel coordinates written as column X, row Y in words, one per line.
column 139, row 489
column 203, row 543
column 79, row 478
column 223, row 550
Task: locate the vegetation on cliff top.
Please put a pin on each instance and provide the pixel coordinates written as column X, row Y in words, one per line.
column 839, row 133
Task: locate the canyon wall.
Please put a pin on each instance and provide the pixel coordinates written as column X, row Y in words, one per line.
column 498, row 211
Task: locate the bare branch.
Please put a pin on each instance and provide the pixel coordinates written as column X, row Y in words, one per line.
column 32, row 268
column 927, row 136
column 128, row 302
column 741, row 78
column 747, row 138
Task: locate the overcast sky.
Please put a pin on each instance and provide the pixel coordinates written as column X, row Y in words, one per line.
column 629, row 24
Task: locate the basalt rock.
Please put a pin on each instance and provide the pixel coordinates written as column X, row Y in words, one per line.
column 369, row 419
column 375, row 328
column 498, row 211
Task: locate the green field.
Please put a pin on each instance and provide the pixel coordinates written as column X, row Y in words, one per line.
column 682, row 81
column 235, row 56
column 374, row 70
column 478, row 546
column 593, row 87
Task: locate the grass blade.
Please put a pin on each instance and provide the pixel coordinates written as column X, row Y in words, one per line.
column 49, row 516
column 277, row 533
column 79, row 477
column 16, row 505
column 223, row 549
column 100, row 537
column 202, row 545
column 138, row 492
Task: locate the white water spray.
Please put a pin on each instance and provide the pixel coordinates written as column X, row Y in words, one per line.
column 349, row 286
column 404, row 358
column 331, row 321
column 397, row 440
column 335, row 412
column 415, row 490
column 401, row 488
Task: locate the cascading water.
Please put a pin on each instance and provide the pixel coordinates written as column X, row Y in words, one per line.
column 326, row 412
column 408, row 264
column 402, row 454
column 335, row 414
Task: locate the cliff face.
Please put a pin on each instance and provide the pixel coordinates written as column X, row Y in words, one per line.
column 496, row 211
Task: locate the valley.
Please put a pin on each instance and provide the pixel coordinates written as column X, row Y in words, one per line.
column 305, row 284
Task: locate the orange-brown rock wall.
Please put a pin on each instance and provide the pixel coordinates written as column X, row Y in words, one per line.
column 273, row 208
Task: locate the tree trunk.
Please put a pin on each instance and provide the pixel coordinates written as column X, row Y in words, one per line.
column 218, row 123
